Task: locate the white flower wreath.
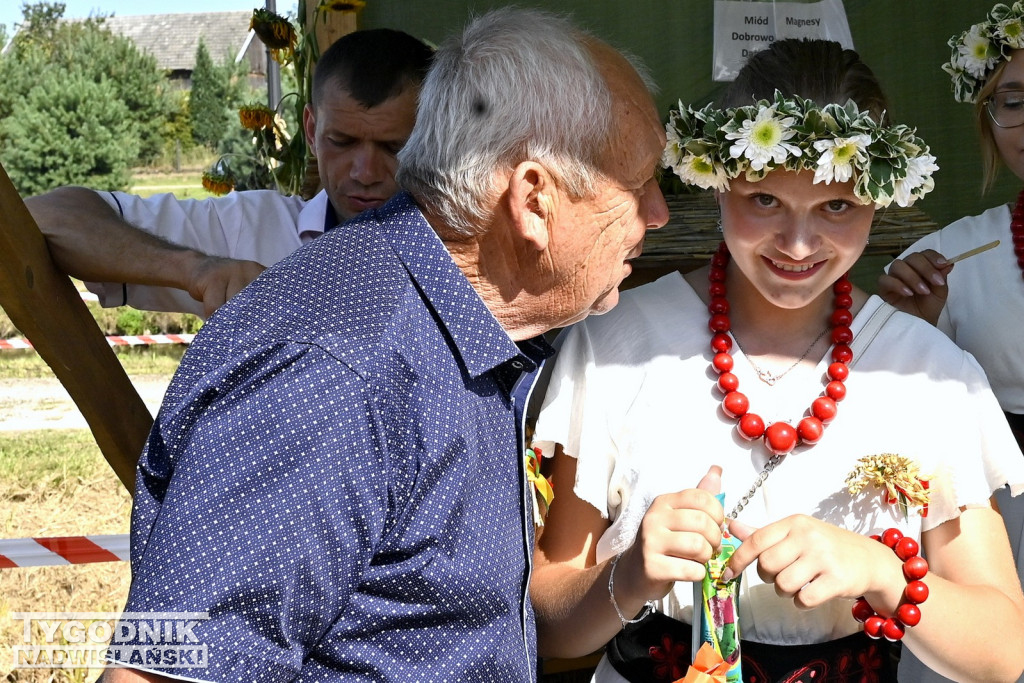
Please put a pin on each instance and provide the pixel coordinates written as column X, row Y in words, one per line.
column 710, row 146
column 978, row 50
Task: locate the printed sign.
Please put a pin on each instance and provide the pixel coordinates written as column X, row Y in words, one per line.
column 743, row 27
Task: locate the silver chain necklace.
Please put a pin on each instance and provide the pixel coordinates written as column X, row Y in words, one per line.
column 769, row 377
column 768, row 467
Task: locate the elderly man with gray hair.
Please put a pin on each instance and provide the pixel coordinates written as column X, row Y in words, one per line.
column 335, row 481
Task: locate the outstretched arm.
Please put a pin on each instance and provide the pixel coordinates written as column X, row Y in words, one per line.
column 89, row 240
column 569, row 589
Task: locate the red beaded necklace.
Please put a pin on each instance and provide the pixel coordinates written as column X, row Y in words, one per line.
column 1017, row 230
column 779, row 437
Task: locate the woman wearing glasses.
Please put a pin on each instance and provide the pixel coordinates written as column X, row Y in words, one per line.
column 979, row 303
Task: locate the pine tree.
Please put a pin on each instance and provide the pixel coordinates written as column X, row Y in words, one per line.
column 207, row 103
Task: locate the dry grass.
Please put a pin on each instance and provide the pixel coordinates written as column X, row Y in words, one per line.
column 56, row 483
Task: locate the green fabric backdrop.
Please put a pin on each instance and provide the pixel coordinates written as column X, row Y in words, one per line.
column 904, row 41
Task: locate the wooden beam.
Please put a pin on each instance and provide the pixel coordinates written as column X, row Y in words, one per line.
column 45, row 306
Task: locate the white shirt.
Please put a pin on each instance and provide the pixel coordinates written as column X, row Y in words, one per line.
column 633, row 397
column 255, row 225
column 984, row 312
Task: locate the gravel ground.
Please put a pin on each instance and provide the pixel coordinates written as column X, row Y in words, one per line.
column 44, row 403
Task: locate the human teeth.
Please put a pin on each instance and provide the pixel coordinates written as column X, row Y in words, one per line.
column 792, row 269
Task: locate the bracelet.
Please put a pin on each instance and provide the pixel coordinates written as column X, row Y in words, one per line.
column 648, row 606
column 907, row 613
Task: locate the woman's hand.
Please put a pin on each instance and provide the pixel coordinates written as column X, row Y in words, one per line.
column 813, row 562
column 678, row 535
column 917, row 284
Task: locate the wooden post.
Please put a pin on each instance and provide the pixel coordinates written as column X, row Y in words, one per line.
column 44, row 305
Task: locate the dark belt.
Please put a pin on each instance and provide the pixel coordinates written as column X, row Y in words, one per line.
column 658, row 649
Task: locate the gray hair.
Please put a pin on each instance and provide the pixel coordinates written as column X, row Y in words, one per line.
column 517, row 85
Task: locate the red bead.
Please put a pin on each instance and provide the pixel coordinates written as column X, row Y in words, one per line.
column 719, row 323
column 915, row 568
column 873, row 627
column 735, row 404
column 841, row 353
column 780, row 438
column 843, row 301
column 842, row 286
column 721, row 342
column 841, row 316
column 862, row 611
column 907, row 548
column 916, row 592
column 723, row 248
column 810, row 430
column 893, row 630
column 835, row 390
column 1018, row 250
column 1018, row 238
column 891, row 537
column 716, row 289
column 838, row 371
column 751, row 426
column 842, row 335
column 728, row 382
column 824, row 408
column 1020, row 262
column 716, row 274
column 718, row 305
column 909, row 614
column 722, row 362
column 719, row 260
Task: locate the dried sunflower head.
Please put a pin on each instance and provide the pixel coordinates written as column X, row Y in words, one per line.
column 256, row 116
column 218, row 183
column 276, row 32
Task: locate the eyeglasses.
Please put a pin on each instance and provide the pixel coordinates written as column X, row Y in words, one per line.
column 1006, row 109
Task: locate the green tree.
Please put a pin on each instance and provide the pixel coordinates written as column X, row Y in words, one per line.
column 49, row 49
column 207, row 104
column 69, row 130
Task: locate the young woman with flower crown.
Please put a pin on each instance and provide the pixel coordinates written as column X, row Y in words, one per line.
column 979, row 303
column 823, row 416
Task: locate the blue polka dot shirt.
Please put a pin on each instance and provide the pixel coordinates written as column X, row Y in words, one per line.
column 336, row 478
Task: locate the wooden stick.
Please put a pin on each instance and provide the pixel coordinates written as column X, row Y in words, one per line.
column 972, row 252
column 44, row 305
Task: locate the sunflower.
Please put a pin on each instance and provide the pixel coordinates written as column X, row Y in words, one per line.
column 276, row 32
column 256, row 116
column 218, row 183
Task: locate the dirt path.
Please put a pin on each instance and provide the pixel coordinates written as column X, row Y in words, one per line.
column 45, row 404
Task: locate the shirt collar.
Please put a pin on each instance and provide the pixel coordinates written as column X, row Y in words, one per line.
column 480, row 339
column 316, row 217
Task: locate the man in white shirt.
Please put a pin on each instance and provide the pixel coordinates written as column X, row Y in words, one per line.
column 161, row 253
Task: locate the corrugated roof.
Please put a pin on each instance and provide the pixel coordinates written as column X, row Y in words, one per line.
column 173, row 38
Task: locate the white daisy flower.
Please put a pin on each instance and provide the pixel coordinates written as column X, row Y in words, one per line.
column 837, row 157
column 1012, row 32
column 763, row 139
column 701, row 170
column 918, row 180
column 976, row 54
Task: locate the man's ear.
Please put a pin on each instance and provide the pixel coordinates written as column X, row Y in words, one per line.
column 533, row 199
column 309, row 127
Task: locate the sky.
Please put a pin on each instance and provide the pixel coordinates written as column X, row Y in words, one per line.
column 10, row 10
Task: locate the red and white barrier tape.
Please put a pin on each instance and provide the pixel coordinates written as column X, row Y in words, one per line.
column 46, row 552
column 113, row 340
